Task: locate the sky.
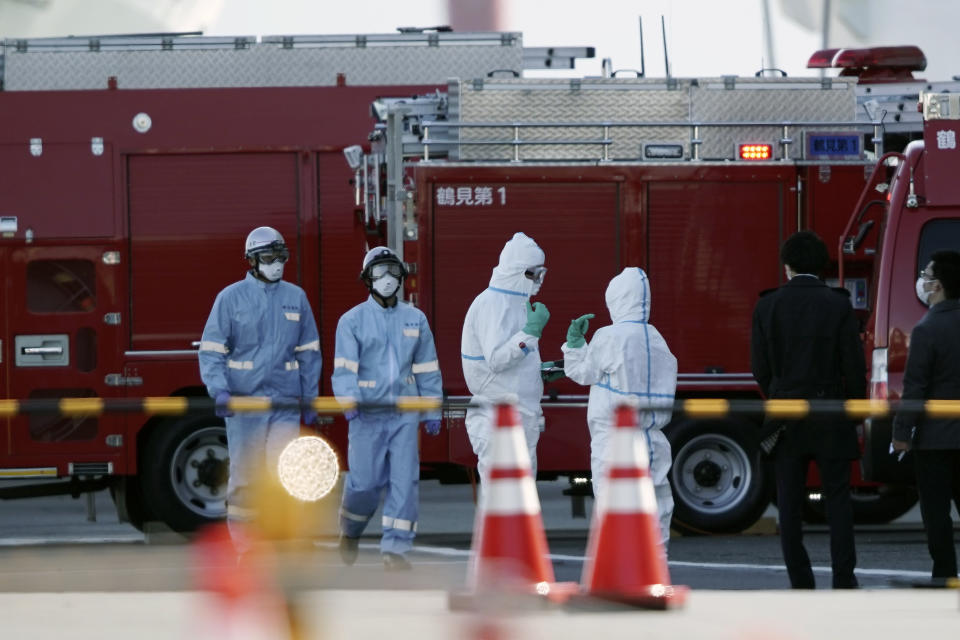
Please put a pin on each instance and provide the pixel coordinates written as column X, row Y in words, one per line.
column 704, row 37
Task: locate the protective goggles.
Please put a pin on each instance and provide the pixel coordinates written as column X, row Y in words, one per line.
column 379, row 270
column 535, row 273
column 269, row 257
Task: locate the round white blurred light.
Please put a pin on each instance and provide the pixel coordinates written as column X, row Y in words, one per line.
column 308, row 468
column 142, row 122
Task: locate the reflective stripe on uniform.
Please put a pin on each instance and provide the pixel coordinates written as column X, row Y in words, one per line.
column 399, row 523
column 207, row 345
column 310, row 346
column 425, row 367
column 367, row 384
column 240, row 364
column 292, row 365
column 352, row 365
column 353, row 516
column 292, row 315
column 411, row 333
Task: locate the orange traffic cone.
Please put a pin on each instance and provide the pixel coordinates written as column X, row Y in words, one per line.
column 510, row 552
column 626, row 561
column 241, row 601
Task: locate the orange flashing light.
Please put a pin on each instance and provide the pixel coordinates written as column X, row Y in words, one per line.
column 756, row 151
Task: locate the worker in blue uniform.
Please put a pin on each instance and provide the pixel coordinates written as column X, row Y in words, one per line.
column 260, row 340
column 384, row 350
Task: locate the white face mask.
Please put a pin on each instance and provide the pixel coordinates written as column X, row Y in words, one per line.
column 272, row 272
column 386, row 285
column 922, row 293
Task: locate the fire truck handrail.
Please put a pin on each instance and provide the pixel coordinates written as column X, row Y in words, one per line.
column 881, row 162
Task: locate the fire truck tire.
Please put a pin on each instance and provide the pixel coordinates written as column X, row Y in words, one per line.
column 720, row 482
column 184, row 472
column 128, row 498
column 871, row 505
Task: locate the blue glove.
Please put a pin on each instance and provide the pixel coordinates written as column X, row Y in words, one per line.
column 220, row 405
column 537, row 317
column 351, row 414
column 308, row 416
column 432, row 427
column 577, row 331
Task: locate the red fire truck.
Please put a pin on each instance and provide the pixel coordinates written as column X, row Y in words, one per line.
column 913, row 202
column 696, row 180
column 132, row 168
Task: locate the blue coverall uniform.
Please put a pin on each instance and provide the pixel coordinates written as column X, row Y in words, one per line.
column 383, row 353
column 260, row 340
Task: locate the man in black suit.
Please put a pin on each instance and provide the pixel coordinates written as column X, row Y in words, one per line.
column 933, row 371
column 805, row 344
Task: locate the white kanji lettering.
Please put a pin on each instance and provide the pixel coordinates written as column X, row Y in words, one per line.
column 464, row 196
column 483, row 196
column 445, row 197
column 947, row 139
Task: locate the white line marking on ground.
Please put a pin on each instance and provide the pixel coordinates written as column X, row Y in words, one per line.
column 47, row 541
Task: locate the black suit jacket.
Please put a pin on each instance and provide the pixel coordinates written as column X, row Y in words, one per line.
column 933, row 371
column 805, row 343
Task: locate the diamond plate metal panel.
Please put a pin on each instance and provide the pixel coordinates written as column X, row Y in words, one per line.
column 260, row 65
column 640, row 102
column 560, row 102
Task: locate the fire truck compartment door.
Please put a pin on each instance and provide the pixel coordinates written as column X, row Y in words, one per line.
column 189, row 217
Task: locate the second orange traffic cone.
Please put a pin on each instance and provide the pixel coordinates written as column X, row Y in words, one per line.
column 509, row 542
column 626, row 561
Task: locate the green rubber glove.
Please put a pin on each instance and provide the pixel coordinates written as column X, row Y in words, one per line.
column 537, row 317
column 550, row 376
column 577, row 331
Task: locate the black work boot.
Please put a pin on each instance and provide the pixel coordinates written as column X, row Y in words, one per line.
column 349, row 549
column 396, row 562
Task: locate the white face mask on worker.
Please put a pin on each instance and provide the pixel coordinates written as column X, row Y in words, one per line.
column 272, row 272
column 922, row 293
column 386, row 285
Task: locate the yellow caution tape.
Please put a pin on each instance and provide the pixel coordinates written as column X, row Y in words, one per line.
column 332, row 404
column 81, row 406
column 249, row 403
column 785, row 408
column 942, row 408
column 174, row 406
column 418, row 403
column 873, row 408
column 9, row 408
column 706, row 407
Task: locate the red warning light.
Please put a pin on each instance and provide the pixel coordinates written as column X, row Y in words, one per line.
column 756, row 151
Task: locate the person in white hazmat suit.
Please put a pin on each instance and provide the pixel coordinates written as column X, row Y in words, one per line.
column 626, row 362
column 499, row 349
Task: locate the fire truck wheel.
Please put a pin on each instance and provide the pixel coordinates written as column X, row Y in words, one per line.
column 128, row 498
column 720, row 482
column 871, row 505
column 185, row 468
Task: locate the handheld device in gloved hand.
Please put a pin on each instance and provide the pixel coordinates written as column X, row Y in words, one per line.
column 552, row 370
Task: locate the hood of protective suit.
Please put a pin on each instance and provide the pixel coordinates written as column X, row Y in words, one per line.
column 519, row 254
column 628, row 296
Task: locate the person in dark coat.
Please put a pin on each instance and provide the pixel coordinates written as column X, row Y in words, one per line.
column 933, row 372
column 805, row 343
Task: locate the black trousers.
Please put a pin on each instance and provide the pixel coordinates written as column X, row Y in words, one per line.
column 791, row 474
column 938, row 481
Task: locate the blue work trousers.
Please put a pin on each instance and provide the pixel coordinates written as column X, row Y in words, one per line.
column 383, row 458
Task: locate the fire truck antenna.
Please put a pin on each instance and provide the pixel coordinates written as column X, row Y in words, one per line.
column 640, row 27
column 666, row 60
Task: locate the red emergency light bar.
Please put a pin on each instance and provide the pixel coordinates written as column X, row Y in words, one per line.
column 877, row 64
column 753, row 151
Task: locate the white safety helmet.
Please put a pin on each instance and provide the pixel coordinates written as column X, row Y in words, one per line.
column 262, row 240
column 385, row 256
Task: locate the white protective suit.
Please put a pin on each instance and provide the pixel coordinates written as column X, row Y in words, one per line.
column 501, row 362
column 628, row 362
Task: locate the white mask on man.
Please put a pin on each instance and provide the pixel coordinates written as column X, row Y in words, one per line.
column 922, row 293
column 386, row 285
column 272, row 272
